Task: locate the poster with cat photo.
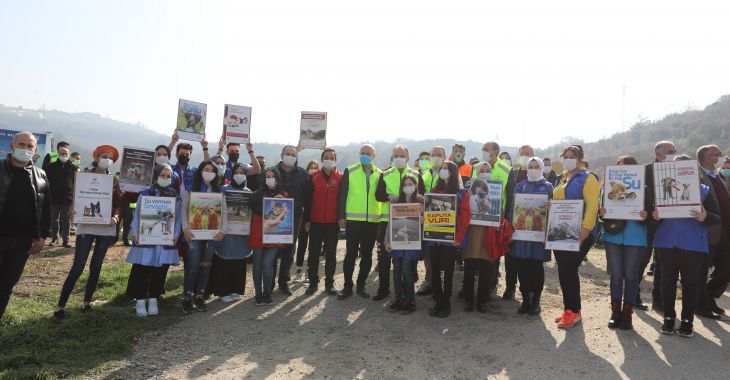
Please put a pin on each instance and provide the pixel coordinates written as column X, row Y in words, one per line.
column 623, row 192
column 93, row 194
column 677, row 188
column 205, row 217
column 278, row 220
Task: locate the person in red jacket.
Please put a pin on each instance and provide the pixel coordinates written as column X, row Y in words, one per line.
column 320, row 221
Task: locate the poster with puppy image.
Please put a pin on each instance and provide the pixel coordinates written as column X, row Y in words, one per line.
column 677, row 188
column 623, row 192
column 205, row 218
column 191, row 120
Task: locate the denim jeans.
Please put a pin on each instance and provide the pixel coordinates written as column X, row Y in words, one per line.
column 403, row 279
column 624, row 261
column 81, row 255
column 263, row 269
column 198, row 260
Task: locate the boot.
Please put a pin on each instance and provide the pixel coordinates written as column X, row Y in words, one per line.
column 525, row 306
column 445, row 307
column 535, row 308
column 434, row 311
column 615, row 320
column 626, row 317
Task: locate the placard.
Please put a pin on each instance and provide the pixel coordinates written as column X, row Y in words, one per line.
column 313, row 130
column 623, row 192
column 677, row 188
column 135, row 173
column 486, row 202
column 93, row 193
column 278, row 221
column 439, row 217
column 404, row 226
column 564, row 221
column 156, row 220
column 529, row 217
column 191, row 120
column 205, row 218
column 238, row 214
column 237, row 124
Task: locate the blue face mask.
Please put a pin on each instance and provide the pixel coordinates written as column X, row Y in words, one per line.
column 365, row 159
column 725, row 172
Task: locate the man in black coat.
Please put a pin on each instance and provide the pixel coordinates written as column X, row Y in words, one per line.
column 61, row 178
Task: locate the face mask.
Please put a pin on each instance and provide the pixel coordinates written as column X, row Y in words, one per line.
column 485, row 156
column 208, row 176
column 271, row 183
column 221, row 169
column 569, row 163
column 22, row 155
column 239, row 178
column 183, row 160
column 233, row 157
column 105, row 163
column 669, row 157
column 547, row 169
column 164, row 182
column 289, row 160
column 534, row 175
column 399, row 162
column 459, row 157
column 63, row 159
column 444, row 174
column 725, row 172
column 485, row 176
column 365, row 159
column 75, row 162
column 437, row 161
column 328, row 164
column 523, row 161
column 162, row 159
column 424, row 164
column 408, row 190
column 311, row 171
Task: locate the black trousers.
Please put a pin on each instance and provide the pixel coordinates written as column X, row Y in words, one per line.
column 301, row 247
column 384, row 261
column 568, row 265
column 323, row 236
column 443, row 259
column 287, row 255
column 13, row 256
column 676, row 262
column 531, row 273
column 485, row 270
column 510, row 269
column 145, row 282
column 227, row 277
column 361, row 238
column 720, row 277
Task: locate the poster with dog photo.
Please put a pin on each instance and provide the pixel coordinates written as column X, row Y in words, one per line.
column 529, row 216
column 564, row 220
column 677, row 189
column 205, row 218
column 156, row 220
column 191, row 120
column 404, row 226
column 486, row 202
column 278, row 221
column 135, row 173
column 93, row 198
column 238, row 214
column 439, row 217
column 623, row 192
column 237, row 123
column 313, row 130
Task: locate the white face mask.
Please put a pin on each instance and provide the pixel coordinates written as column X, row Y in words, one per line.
column 507, row 161
column 208, row 176
column 105, row 163
column 289, row 160
column 22, row 155
column 569, row 163
column 399, row 162
column 164, row 182
column 162, row 159
column 328, row 164
column 669, row 157
column 444, row 174
column 221, row 169
column 271, row 183
column 239, row 178
column 523, row 161
column 547, row 169
column 311, row 171
column 437, row 161
column 534, row 175
column 485, row 156
column 408, row 190
column 63, row 159
column 485, row 176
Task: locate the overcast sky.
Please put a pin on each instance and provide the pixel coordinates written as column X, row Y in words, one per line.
column 527, row 72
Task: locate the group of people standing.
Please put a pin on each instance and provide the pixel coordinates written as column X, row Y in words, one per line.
column 357, row 200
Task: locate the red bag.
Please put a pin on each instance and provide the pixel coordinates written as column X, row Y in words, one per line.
column 497, row 240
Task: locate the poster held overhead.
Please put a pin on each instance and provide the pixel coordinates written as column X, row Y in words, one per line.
column 237, row 124
column 93, row 194
column 205, row 218
column 530, row 213
column 564, row 221
column 278, row 221
column 156, row 220
column 439, row 217
column 623, row 192
column 191, row 120
column 313, row 130
column 404, row 226
column 486, row 202
column 136, row 170
column 677, row 188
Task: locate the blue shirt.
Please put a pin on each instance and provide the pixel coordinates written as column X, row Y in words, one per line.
column 683, row 233
column 634, row 235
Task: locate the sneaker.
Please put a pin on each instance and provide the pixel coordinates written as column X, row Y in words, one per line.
column 187, row 306
column 560, row 317
column 59, row 316
column 306, row 278
column 310, row 290
column 298, row 277
column 226, row 299
column 570, row 319
column 200, row 304
column 685, row 329
column 152, row 308
column 53, row 243
column 141, row 309
column 668, row 326
column 330, row 291
column 235, row 296
column 345, row 294
column 268, row 301
column 259, row 300
column 285, row 290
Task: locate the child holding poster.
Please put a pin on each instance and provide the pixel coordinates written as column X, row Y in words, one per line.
column 264, row 254
column 443, row 255
column 147, row 277
column 404, row 261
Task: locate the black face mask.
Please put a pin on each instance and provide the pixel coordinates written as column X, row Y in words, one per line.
column 233, row 157
column 183, row 160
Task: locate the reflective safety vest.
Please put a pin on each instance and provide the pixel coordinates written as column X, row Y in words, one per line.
column 133, row 205
column 429, row 179
column 392, row 178
column 500, row 172
column 53, row 157
column 361, row 204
